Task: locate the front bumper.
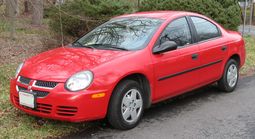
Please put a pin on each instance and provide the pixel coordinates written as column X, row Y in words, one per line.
column 60, row 104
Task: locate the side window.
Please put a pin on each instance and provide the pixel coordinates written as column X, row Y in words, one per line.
column 177, row 31
column 205, row 29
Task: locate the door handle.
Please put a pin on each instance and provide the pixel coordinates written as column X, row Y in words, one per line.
column 194, row 56
column 224, row 48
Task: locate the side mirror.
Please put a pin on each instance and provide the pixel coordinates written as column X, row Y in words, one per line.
column 164, row 47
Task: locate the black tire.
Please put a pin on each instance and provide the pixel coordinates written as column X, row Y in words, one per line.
column 114, row 114
column 223, row 83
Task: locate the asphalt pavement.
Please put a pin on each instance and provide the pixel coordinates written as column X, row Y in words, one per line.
column 204, row 113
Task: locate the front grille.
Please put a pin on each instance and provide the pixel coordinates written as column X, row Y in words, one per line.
column 24, row 80
column 66, row 110
column 42, row 89
column 36, row 83
column 40, row 93
column 46, row 84
column 21, row 88
column 43, row 108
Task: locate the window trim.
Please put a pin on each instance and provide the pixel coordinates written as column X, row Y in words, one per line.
column 193, row 37
column 198, row 41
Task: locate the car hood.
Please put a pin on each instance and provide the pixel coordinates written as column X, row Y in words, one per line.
column 59, row 64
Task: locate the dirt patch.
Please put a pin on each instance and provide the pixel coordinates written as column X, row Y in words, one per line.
column 29, row 40
column 27, row 45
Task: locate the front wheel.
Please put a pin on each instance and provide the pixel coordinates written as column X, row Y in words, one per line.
column 230, row 77
column 126, row 105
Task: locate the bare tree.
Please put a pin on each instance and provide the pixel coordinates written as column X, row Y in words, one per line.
column 37, row 8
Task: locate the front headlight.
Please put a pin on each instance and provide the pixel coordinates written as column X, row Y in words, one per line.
column 18, row 69
column 79, row 81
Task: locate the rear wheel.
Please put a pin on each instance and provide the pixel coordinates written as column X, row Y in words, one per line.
column 229, row 80
column 126, row 106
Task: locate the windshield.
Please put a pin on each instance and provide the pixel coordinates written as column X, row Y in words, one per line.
column 122, row 34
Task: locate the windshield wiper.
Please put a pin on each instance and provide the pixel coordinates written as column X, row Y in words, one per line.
column 109, row 46
column 119, row 48
column 81, row 45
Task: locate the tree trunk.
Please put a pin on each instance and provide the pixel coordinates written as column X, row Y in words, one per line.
column 12, row 8
column 27, row 7
column 11, row 11
column 37, row 6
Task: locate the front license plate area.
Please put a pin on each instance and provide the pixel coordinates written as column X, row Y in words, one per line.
column 27, row 99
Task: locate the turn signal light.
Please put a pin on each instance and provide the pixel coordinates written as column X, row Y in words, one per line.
column 99, row 95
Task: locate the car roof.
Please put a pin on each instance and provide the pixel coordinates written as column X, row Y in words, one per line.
column 157, row 14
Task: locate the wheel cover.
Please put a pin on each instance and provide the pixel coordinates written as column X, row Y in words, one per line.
column 232, row 75
column 131, row 107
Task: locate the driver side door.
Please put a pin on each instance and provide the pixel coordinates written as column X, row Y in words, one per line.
column 174, row 70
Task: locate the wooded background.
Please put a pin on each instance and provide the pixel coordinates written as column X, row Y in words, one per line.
column 79, row 16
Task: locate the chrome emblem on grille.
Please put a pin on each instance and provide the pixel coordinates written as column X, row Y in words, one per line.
column 29, row 88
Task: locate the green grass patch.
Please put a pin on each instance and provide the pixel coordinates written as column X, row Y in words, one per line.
column 249, row 66
column 4, row 25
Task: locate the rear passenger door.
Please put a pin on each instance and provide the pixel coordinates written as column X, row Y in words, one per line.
column 212, row 48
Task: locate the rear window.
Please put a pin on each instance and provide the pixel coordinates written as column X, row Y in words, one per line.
column 205, row 29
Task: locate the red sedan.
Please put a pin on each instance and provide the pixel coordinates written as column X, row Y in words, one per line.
column 120, row 68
